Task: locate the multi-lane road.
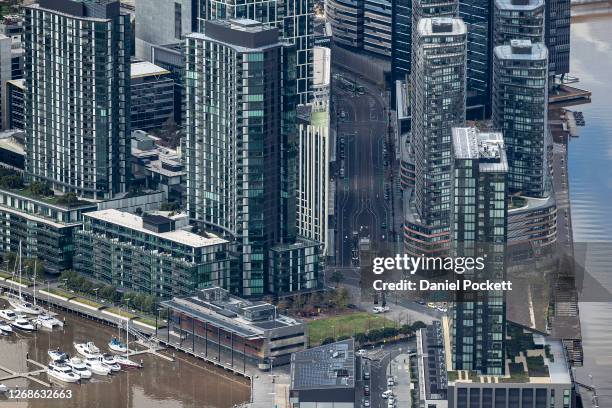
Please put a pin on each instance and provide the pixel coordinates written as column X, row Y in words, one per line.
column 361, row 204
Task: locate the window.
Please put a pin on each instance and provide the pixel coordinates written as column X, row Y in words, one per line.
column 178, row 20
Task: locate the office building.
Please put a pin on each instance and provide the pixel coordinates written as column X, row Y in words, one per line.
column 479, row 229
column 438, row 82
column 518, row 20
column 429, row 9
column 324, row 376
column 378, row 27
column 12, row 27
column 294, row 21
column 13, row 94
column 520, row 111
column 77, row 103
column 161, row 22
column 240, row 144
column 171, row 57
column 557, row 34
column 45, row 227
column 151, row 96
column 346, row 21
column 149, row 254
column 401, row 41
column 234, row 330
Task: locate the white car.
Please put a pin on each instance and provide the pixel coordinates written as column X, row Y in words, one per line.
column 361, row 352
column 390, row 382
column 387, row 394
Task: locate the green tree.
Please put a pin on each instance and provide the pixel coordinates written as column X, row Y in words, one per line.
column 418, row 325
column 328, row 340
column 336, row 278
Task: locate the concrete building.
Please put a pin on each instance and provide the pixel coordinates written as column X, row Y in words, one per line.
column 218, row 324
column 150, row 254
column 45, row 227
column 324, row 376
column 156, row 167
column 294, row 20
column 13, row 94
column 163, row 22
column 479, row 229
column 151, row 96
column 520, row 111
column 240, row 147
column 518, row 20
column 438, row 82
column 68, row 109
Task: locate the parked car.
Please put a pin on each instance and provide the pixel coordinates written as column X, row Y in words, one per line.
column 387, row 394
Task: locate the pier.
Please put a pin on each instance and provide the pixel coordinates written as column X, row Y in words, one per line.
column 29, row 375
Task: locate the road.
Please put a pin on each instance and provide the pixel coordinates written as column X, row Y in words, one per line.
column 361, row 124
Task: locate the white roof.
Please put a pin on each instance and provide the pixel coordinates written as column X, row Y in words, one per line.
column 145, row 68
column 134, row 222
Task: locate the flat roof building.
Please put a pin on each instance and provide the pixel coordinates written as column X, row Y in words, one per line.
column 215, row 323
column 431, row 366
column 151, row 96
column 324, row 376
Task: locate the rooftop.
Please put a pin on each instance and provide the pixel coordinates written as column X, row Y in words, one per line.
column 134, row 222
column 242, row 34
column 9, row 140
column 486, row 147
column 328, row 366
column 516, row 51
column 441, row 26
column 432, row 363
column 249, row 319
column 519, row 5
column 145, row 68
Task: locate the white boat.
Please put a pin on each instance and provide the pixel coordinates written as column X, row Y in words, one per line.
column 5, row 328
column 79, row 367
column 24, row 324
column 17, row 301
column 8, row 314
column 3, row 388
column 62, row 372
column 57, row 355
column 117, row 346
column 109, row 360
column 97, row 366
column 125, row 362
column 88, row 349
column 48, row 322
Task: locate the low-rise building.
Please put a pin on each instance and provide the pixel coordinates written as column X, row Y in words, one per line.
column 150, row 254
column 45, row 227
column 214, row 322
column 324, row 376
column 431, row 365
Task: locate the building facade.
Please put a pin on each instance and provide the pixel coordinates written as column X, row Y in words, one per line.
column 149, row 254
column 293, row 19
column 438, row 82
column 151, row 96
column 520, row 111
column 479, row 229
column 346, row 20
column 518, row 20
column 557, row 34
column 77, row 96
column 13, row 104
column 401, row 39
column 378, row 27
column 45, row 227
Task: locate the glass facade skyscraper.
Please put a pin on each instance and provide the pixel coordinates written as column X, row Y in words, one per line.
column 518, row 20
column 77, row 96
column 479, row 229
column 520, row 111
column 294, row 20
column 438, row 82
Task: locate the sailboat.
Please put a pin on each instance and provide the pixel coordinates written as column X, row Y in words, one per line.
column 116, row 345
column 17, row 302
column 124, row 361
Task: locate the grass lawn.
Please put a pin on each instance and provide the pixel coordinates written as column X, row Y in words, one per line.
column 88, row 302
column 122, row 313
column 60, row 292
column 146, row 320
column 345, row 325
column 5, row 274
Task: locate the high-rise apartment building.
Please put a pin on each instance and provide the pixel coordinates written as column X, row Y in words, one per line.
column 478, row 17
column 160, row 22
column 557, row 36
column 77, row 96
column 294, row 20
column 438, row 104
column 378, row 27
column 479, row 229
column 520, row 111
column 346, row 21
column 240, row 146
column 518, row 20
column 401, row 43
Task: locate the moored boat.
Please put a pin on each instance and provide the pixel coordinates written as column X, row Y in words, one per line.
column 62, row 372
column 96, row 366
column 79, row 367
column 57, row 355
column 24, row 324
column 88, row 349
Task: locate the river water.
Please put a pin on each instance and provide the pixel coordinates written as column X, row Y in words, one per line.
column 186, row 383
column 590, row 172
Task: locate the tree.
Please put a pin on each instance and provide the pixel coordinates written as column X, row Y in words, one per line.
column 336, row 278
column 68, row 199
column 328, row 340
column 40, row 189
column 340, row 298
column 418, row 325
column 29, row 267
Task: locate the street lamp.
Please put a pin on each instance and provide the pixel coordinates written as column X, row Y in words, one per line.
column 96, row 292
column 159, row 309
column 65, row 283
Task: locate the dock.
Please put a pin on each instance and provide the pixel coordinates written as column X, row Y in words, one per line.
column 29, row 375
